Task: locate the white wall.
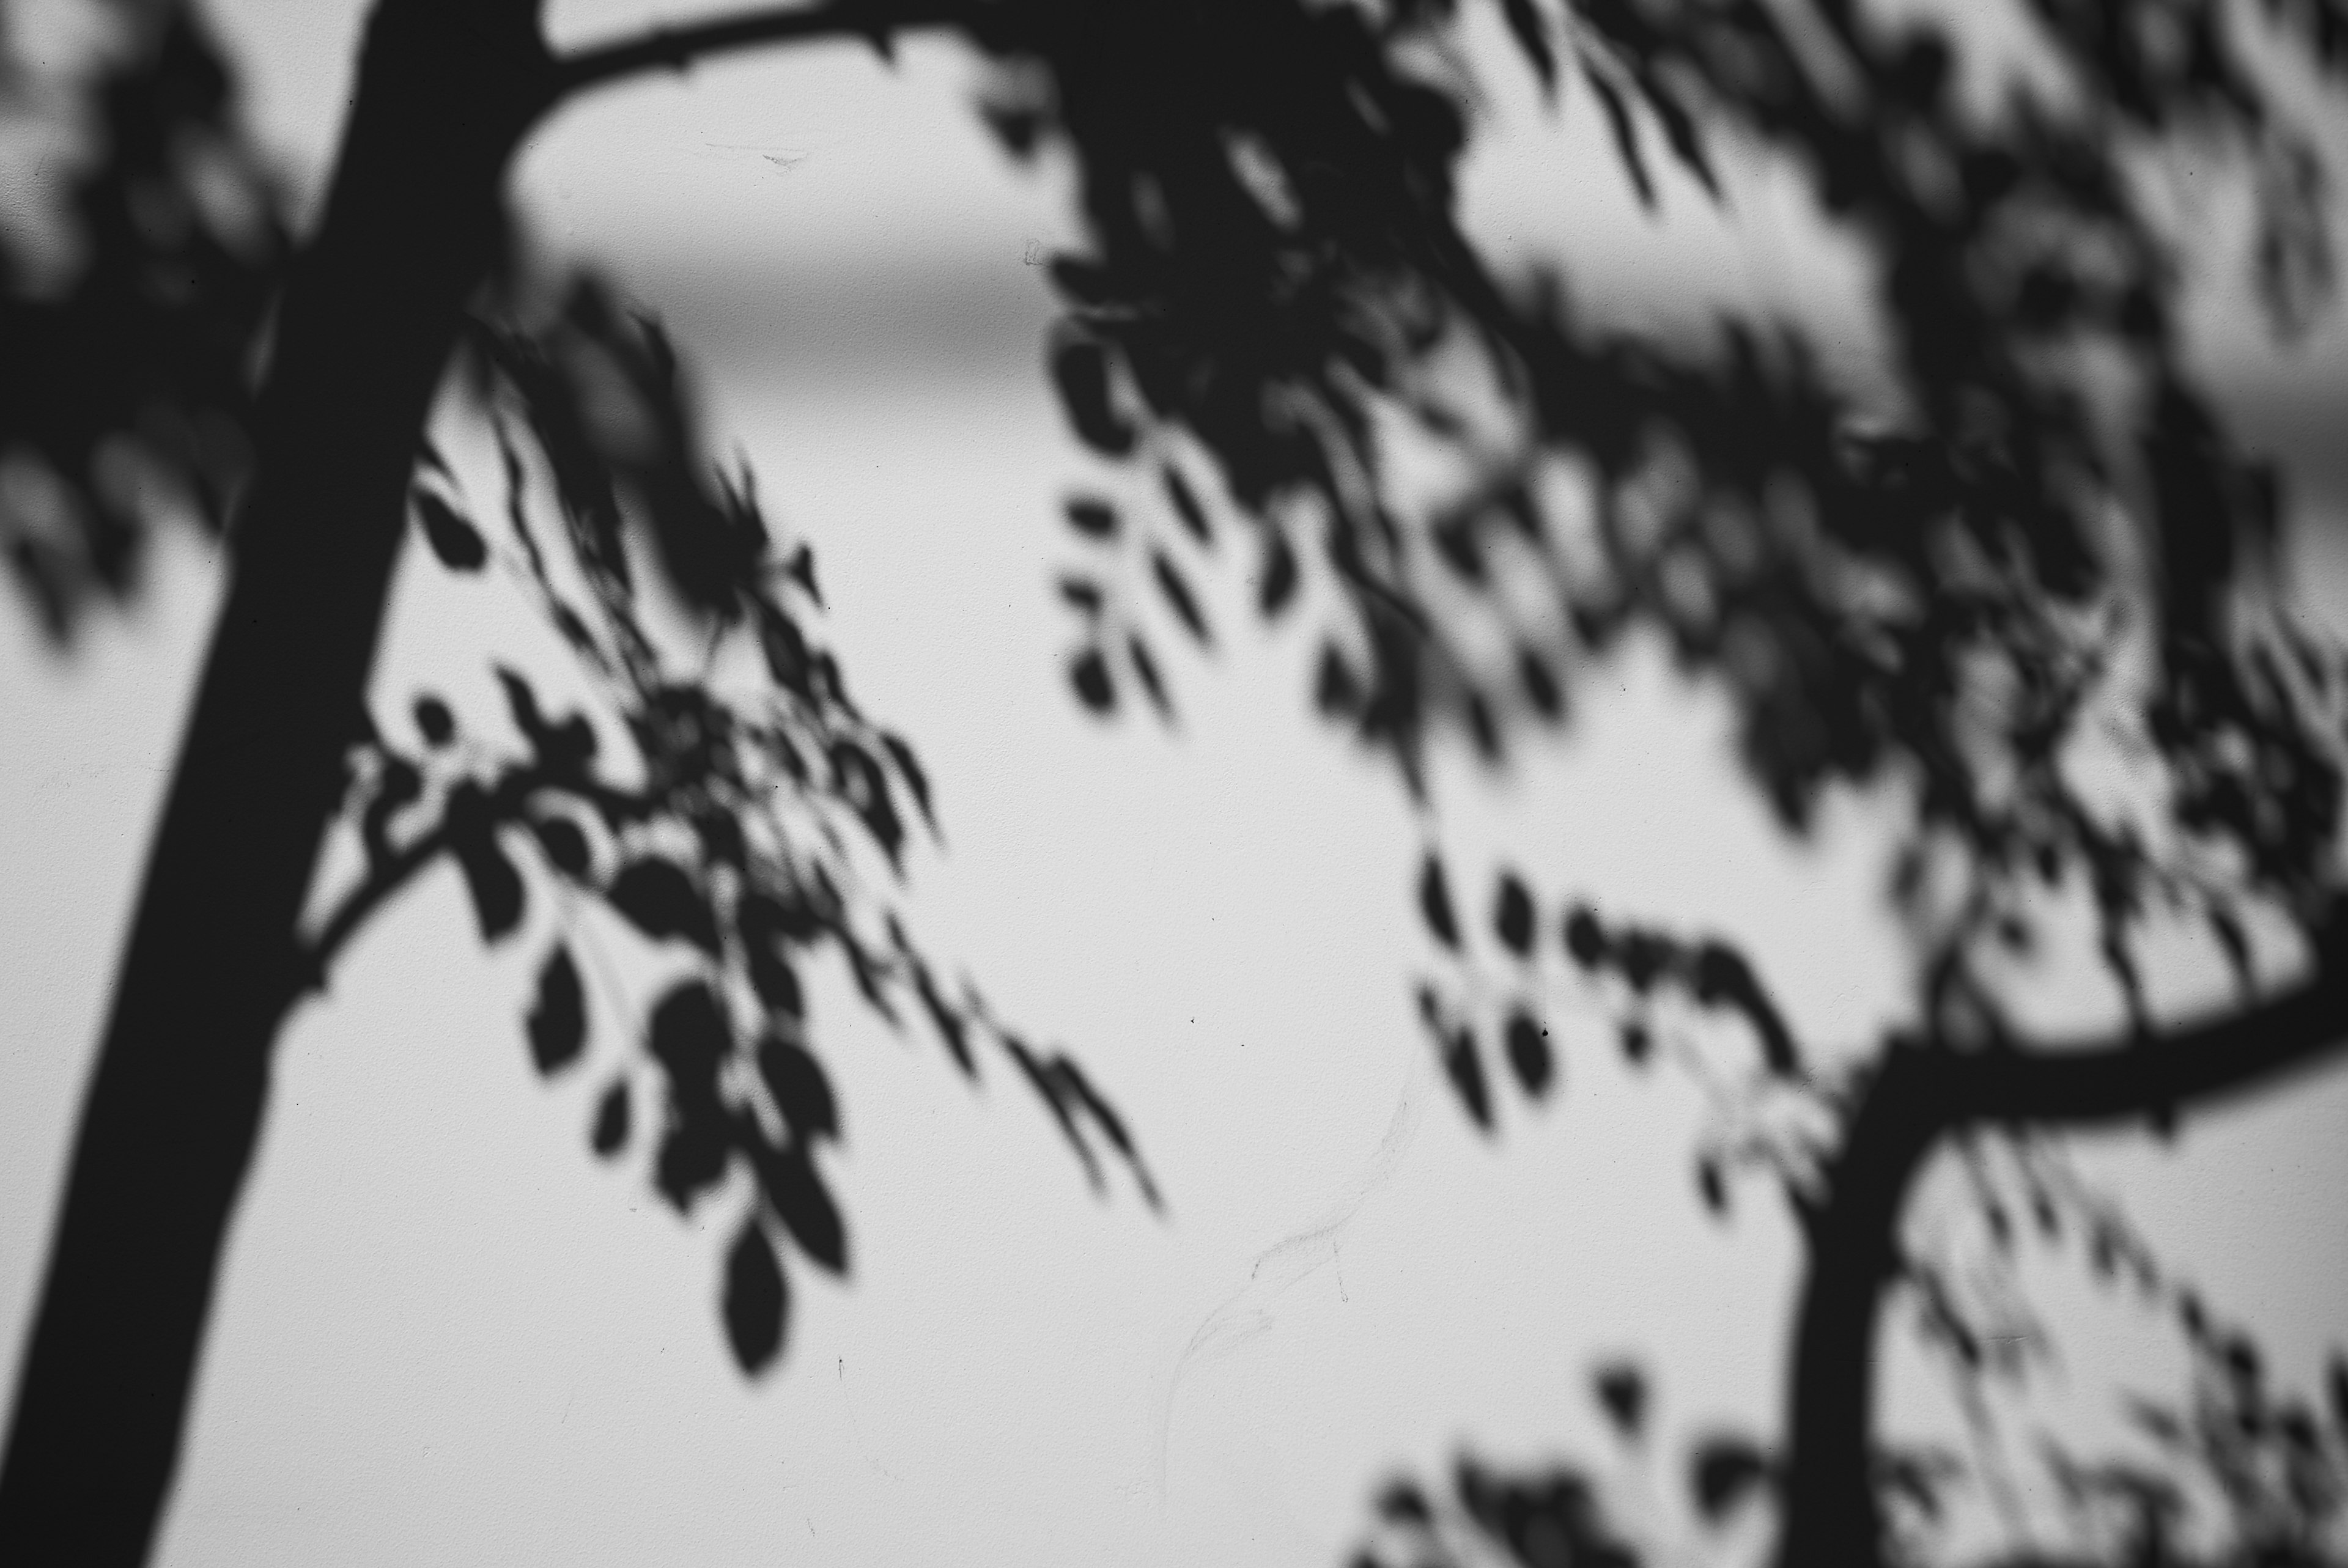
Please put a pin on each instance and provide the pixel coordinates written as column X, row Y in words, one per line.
column 447, row 1336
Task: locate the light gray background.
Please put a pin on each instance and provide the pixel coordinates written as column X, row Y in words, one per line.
column 447, row 1336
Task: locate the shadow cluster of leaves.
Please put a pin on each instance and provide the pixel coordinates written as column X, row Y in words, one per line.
column 2050, row 533
column 2231, row 1470
column 2279, row 1467
column 134, row 331
column 725, row 833
column 2273, row 1469
column 1661, row 995
column 2237, row 1474
column 1267, row 199
column 1567, row 1516
column 2030, row 558
column 2036, row 536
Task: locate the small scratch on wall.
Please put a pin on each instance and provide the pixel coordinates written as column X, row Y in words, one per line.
column 855, row 1430
column 783, row 160
column 1245, row 1313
